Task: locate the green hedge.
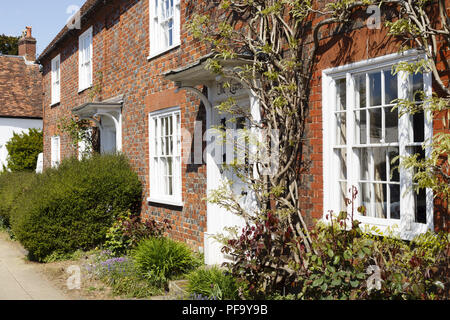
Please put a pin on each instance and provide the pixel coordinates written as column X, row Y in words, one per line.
column 72, row 207
column 12, row 187
column 24, row 149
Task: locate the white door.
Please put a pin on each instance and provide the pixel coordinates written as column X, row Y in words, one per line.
column 219, row 218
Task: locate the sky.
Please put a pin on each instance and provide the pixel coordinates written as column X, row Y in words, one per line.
column 46, row 17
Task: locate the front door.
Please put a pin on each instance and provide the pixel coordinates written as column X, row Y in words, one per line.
column 222, row 154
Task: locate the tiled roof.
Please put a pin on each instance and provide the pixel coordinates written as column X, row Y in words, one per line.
column 85, row 9
column 20, row 88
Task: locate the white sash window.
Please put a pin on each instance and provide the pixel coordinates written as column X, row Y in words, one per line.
column 164, row 25
column 56, row 79
column 85, row 60
column 362, row 135
column 165, row 156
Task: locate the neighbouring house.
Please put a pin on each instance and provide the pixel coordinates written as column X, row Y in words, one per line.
column 20, row 93
column 136, row 72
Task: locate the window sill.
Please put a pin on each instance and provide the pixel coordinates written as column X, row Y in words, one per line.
column 161, row 52
column 82, row 90
column 389, row 227
column 54, row 104
column 170, row 202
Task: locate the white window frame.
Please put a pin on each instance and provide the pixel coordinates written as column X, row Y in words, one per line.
column 157, row 19
column 405, row 227
column 56, row 80
column 55, row 151
column 85, row 60
column 158, row 193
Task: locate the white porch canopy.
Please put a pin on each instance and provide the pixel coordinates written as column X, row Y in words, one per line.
column 107, row 115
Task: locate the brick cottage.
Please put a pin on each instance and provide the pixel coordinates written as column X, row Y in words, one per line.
column 134, row 69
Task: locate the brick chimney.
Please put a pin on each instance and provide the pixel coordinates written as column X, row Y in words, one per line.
column 27, row 45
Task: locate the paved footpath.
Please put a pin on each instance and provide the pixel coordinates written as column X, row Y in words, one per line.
column 20, row 280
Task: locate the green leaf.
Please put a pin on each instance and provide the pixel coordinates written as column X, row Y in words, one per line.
column 347, row 254
column 354, row 283
column 336, row 260
column 361, row 254
column 361, row 276
column 330, row 253
column 336, row 282
column 317, row 282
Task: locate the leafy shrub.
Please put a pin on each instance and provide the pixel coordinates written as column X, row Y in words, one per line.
column 73, row 206
column 128, row 230
column 162, row 259
column 416, row 270
column 345, row 262
column 212, row 283
column 23, row 150
column 348, row 263
column 13, row 185
column 337, row 267
column 258, row 253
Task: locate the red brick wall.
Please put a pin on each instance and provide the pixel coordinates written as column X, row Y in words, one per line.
column 121, row 48
column 120, row 51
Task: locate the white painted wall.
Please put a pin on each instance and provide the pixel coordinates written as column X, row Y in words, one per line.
column 10, row 125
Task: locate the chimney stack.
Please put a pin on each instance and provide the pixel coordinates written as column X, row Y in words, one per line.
column 27, row 45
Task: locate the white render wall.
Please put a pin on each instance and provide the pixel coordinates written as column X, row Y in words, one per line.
column 10, row 125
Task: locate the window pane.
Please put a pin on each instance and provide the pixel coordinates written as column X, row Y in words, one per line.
column 365, row 197
column 391, row 123
column 421, row 206
column 364, row 164
column 170, row 166
column 167, row 127
column 419, row 127
column 170, row 32
column 380, row 200
column 361, row 123
column 361, row 91
column 417, row 150
column 417, row 86
column 342, row 154
column 395, row 201
column 375, row 88
column 393, row 172
column 341, row 94
column 391, row 89
column 375, row 125
column 341, row 129
column 379, row 157
column 163, row 174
